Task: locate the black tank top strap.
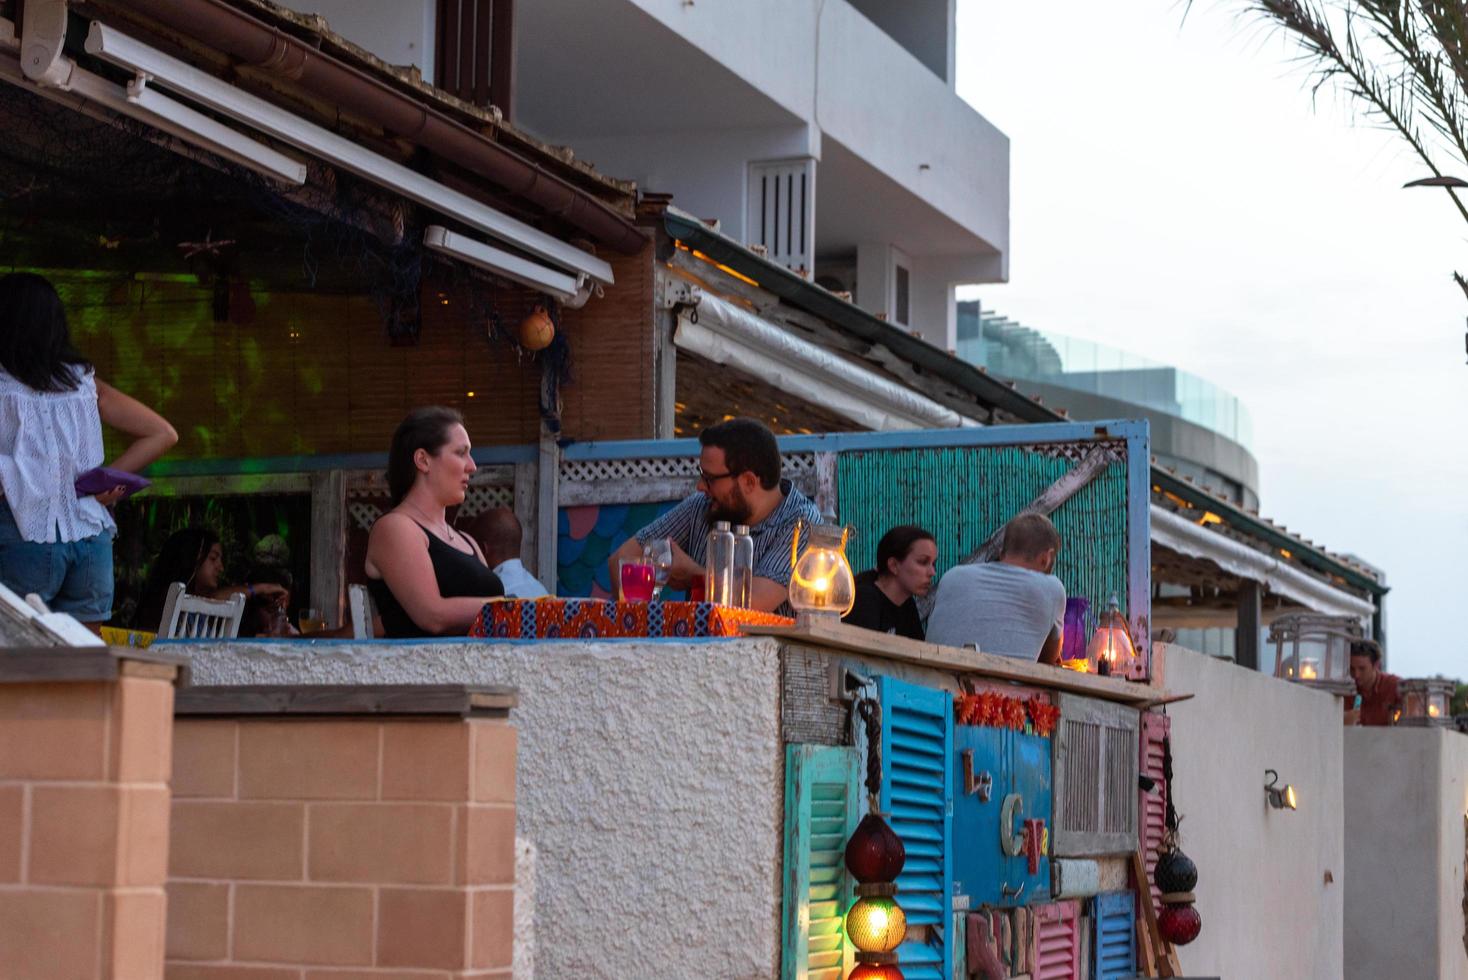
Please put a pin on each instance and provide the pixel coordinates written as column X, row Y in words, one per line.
column 458, row 574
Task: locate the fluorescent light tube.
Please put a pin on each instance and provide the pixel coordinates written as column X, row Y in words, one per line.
column 561, row 285
column 108, row 43
column 159, row 111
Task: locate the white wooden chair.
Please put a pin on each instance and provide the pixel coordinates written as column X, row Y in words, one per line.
column 197, row 618
column 364, row 615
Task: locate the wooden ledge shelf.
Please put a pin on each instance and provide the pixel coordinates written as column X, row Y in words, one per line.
column 854, row 639
column 462, row 700
column 32, row 665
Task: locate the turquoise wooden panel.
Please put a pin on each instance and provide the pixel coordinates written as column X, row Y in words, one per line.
column 964, row 494
column 822, row 807
column 978, row 861
column 1029, row 767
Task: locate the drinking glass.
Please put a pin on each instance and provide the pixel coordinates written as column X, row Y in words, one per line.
column 637, row 579
column 312, row 621
column 659, row 553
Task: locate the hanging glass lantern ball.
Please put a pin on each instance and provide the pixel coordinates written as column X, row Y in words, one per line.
column 874, row 852
column 1179, row 924
column 876, row 971
column 876, row 924
column 1175, row 872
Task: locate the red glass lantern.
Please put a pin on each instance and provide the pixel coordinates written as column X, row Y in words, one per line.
column 874, row 852
column 875, row 971
column 1178, row 924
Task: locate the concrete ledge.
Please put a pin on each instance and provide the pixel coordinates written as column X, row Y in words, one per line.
column 462, row 700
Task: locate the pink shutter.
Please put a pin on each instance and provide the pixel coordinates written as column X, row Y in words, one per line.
column 1152, row 806
column 1058, row 941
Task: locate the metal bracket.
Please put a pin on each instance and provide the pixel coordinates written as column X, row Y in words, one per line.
column 42, row 38
column 673, row 293
column 981, row 783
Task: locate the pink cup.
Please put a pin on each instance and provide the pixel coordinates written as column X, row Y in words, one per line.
column 637, row 579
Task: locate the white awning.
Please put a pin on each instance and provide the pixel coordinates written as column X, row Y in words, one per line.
column 726, row 334
column 1185, row 537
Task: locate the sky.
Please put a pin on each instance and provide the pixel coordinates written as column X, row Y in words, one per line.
column 1176, row 192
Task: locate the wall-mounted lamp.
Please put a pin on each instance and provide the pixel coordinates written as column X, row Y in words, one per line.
column 1280, row 797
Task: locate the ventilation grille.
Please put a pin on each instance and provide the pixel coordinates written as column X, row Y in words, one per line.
column 1095, row 778
column 782, row 197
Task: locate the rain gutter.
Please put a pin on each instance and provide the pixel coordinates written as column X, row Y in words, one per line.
column 259, row 45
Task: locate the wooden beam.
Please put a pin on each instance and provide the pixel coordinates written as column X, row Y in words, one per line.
column 887, row 646
column 502, row 59
column 27, row 665
column 346, row 699
column 547, row 509
column 329, row 544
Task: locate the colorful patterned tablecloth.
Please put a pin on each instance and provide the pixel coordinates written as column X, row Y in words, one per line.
column 542, row 619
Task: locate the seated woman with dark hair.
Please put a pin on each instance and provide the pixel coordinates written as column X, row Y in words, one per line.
column 426, row 578
column 885, row 595
column 195, row 557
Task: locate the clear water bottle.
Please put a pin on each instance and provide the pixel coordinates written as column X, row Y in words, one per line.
column 743, row 567
column 719, row 565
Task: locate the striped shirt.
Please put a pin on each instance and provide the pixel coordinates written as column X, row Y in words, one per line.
column 689, row 524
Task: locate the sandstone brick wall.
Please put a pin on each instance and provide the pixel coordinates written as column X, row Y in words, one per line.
column 84, row 825
column 318, row 849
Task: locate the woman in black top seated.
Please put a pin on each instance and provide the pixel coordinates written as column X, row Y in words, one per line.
column 885, row 595
column 426, row 578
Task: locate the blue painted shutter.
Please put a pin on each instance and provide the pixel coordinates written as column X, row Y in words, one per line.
column 822, row 807
column 917, row 790
column 1115, row 942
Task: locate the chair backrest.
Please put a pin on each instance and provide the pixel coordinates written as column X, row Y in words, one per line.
column 197, row 618
column 363, row 614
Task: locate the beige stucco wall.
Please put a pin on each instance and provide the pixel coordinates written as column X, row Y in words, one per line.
column 1406, row 797
column 1270, row 882
column 650, row 783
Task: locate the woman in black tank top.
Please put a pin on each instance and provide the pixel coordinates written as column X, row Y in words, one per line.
column 426, row 578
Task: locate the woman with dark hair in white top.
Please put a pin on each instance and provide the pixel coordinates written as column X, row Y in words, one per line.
column 52, row 406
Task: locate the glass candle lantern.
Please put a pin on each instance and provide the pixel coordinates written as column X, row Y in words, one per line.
column 1110, row 650
column 1314, row 649
column 1427, row 701
column 821, row 583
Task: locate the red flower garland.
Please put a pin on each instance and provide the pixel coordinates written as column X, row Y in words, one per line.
column 990, row 710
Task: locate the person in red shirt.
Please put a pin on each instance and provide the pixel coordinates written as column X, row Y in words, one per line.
column 1378, row 694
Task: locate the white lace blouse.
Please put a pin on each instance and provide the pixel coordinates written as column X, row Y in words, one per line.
column 47, row 439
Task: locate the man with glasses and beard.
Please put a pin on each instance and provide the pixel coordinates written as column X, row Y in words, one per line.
column 739, row 482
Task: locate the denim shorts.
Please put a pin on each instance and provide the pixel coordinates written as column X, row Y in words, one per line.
column 70, row 576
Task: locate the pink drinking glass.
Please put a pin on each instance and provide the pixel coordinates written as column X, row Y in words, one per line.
column 638, row 579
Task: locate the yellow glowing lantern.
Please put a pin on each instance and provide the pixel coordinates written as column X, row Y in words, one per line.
column 1309, row 669
column 1110, row 650
column 876, row 924
column 821, row 583
column 1426, row 700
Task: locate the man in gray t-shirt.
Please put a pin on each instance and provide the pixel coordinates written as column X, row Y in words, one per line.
column 1013, row 607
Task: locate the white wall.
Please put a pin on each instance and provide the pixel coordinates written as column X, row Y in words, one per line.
column 706, row 171
column 400, row 32
column 1267, row 909
column 1406, row 797
column 650, row 782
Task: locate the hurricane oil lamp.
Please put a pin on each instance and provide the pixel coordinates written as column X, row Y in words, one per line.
column 821, row 584
column 1110, row 650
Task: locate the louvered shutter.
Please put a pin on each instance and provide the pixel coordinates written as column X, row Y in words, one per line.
column 1095, row 778
column 782, row 210
column 917, row 790
column 822, row 808
column 1152, row 804
column 1057, row 941
column 1114, row 942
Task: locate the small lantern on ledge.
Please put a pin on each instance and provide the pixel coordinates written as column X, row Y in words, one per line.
column 875, row 924
column 1315, row 650
column 1425, row 701
column 1110, row 650
column 822, row 587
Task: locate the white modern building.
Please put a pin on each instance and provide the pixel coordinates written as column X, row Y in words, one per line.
column 826, row 131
